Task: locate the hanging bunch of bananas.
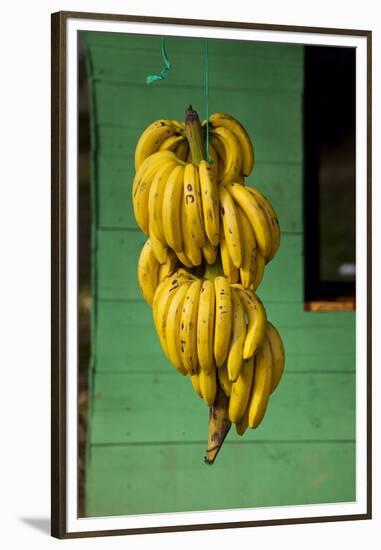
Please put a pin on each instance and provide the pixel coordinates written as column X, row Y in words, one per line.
column 209, row 239
column 250, row 234
column 230, row 146
column 212, row 330
column 194, row 207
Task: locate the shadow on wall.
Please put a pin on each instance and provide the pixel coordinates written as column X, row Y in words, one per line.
column 40, row 524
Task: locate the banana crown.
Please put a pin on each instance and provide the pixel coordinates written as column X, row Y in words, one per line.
column 196, row 208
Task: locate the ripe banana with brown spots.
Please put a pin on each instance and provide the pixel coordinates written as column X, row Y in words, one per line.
column 231, row 227
column 235, row 354
column 247, row 150
column 148, row 268
column 223, row 319
column 151, row 139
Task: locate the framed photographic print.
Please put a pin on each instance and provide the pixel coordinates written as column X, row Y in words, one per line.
column 211, row 274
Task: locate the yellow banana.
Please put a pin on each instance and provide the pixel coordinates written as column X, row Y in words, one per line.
column 172, row 330
column 230, row 271
column 213, row 157
column 216, row 146
column 155, row 199
column 159, row 248
column 171, row 143
column 142, row 184
column 215, row 143
column 184, row 258
column 255, row 215
column 249, row 249
column 260, row 393
column 157, row 157
column 161, row 314
column 188, row 327
column 209, row 252
column 171, row 209
column 169, row 267
column 223, row 320
column 208, row 385
column 161, row 302
column 195, row 380
column 171, row 281
column 256, row 315
column 210, row 203
column 191, row 249
column 240, row 390
column 231, row 226
column 243, row 423
column 232, row 124
column 151, row 139
column 205, row 326
column 147, row 272
column 223, row 379
column 235, row 355
column 193, row 204
column 272, row 219
column 260, row 263
column 277, row 354
column 232, row 154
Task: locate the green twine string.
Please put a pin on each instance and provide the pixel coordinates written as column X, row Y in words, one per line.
column 164, row 72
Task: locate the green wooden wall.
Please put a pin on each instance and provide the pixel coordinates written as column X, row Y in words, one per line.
column 147, row 428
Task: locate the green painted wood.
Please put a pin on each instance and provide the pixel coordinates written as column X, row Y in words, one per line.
column 279, row 182
column 128, row 409
column 120, row 345
column 117, row 260
column 245, row 49
column 171, row 478
column 267, row 115
column 146, row 449
column 241, row 68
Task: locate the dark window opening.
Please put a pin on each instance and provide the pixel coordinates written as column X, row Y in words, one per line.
column 329, row 173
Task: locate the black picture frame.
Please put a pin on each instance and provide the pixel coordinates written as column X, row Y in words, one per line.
column 59, row 260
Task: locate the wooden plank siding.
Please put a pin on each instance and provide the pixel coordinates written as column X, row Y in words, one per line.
column 141, row 479
column 147, row 427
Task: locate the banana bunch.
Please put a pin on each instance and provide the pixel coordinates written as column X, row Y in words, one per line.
column 183, row 209
column 151, row 272
column 161, row 135
column 210, row 237
column 230, row 147
column 176, row 204
column 214, row 331
column 250, row 234
column 260, row 375
column 235, row 152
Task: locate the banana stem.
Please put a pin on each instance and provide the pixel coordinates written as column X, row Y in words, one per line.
column 219, row 425
column 195, row 135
